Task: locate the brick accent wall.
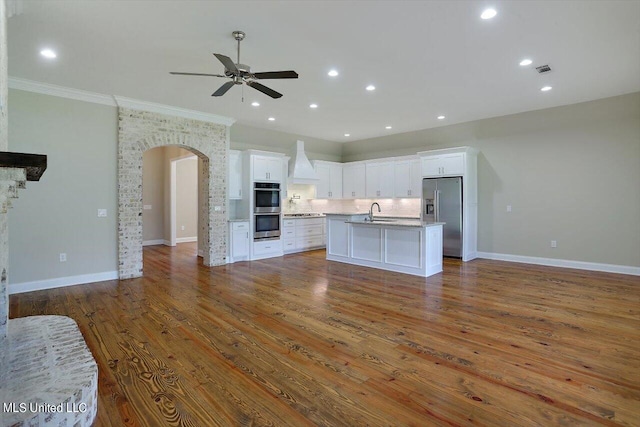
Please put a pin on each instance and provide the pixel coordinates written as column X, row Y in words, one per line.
column 4, row 78
column 140, row 131
column 49, row 364
column 4, row 142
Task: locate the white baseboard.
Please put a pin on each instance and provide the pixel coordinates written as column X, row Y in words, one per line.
column 581, row 265
column 186, row 239
column 39, row 285
column 167, row 242
column 200, row 253
column 153, row 242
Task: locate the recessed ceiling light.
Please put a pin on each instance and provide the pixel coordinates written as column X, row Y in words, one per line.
column 271, row 119
column 525, row 62
column 333, row 73
column 387, row 127
column 255, row 103
column 488, row 14
column 347, row 134
column 441, row 117
column 313, row 105
column 371, row 87
column 48, row 53
column 546, row 88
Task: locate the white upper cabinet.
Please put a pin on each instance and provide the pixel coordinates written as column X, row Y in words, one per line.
column 353, row 181
column 267, row 168
column 235, row 175
column 445, row 164
column 330, row 184
column 379, row 179
column 408, row 178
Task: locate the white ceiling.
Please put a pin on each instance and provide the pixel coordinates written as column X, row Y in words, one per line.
column 425, row 58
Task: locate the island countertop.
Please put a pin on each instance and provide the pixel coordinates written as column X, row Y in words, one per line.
column 395, row 222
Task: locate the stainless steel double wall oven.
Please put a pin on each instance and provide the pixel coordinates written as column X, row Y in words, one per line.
column 266, row 210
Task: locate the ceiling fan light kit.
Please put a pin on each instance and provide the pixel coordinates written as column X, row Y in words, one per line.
column 241, row 73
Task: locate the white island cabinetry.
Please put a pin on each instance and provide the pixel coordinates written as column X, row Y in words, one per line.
column 405, row 246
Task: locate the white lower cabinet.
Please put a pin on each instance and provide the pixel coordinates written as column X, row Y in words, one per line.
column 267, row 248
column 239, row 248
column 303, row 234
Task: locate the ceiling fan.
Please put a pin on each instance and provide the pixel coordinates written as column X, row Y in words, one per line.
column 241, row 73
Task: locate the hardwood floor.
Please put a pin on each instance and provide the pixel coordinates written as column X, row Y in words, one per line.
column 297, row 341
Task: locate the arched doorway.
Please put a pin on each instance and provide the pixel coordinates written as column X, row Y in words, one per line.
column 140, row 131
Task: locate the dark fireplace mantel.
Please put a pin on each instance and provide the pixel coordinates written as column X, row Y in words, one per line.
column 35, row 164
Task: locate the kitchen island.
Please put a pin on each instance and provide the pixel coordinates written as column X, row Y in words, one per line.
column 403, row 245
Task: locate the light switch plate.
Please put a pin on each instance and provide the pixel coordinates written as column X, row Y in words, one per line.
column 102, row 213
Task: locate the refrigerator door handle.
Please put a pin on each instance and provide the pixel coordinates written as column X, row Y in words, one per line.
column 436, row 202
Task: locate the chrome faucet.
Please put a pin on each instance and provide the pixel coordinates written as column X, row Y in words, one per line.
column 371, row 210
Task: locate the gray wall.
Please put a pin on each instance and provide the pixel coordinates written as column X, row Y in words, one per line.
column 187, row 198
column 570, row 173
column 59, row 213
column 246, row 137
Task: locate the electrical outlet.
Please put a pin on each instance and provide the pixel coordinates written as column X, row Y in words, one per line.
column 217, row 208
column 508, row 208
column 63, row 257
column 102, row 213
column 554, row 244
column 182, row 228
column 147, row 207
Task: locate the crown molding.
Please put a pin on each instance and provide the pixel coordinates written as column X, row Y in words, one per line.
column 61, row 91
column 115, row 101
column 152, row 107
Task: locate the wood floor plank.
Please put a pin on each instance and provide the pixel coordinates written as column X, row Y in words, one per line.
column 298, row 340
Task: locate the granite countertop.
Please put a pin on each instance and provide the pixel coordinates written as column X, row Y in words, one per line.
column 396, row 223
column 239, row 220
column 377, row 215
column 302, row 215
column 346, row 213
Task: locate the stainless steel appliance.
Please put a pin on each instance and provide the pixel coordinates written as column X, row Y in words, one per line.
column 266, row 226
column 266, row 197
column 442, row 202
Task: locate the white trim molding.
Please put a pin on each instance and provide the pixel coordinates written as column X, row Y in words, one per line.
column 565, row 263
column 116, row 101
column 58, row 282
column 186, row 239
column 152, row 107
column 61, row 91
column 153, row 242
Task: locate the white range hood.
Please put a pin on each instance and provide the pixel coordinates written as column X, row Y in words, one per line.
column 300, row 169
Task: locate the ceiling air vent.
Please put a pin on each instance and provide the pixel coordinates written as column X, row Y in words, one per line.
column 543, row 69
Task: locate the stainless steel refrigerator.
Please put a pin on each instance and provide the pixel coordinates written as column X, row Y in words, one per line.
column 442, row 202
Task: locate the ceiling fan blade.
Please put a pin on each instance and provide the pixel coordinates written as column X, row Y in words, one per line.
column 195, row 74
column 227, row 62
column 262, row 88
column 276, row 75
column 223, row 89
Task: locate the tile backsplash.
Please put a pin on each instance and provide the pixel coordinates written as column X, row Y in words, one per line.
column 307, row 204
